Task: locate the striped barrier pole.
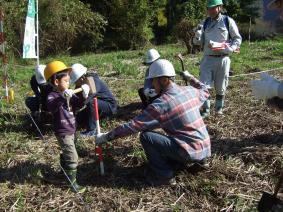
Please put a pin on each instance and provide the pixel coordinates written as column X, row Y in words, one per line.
column 98, row 149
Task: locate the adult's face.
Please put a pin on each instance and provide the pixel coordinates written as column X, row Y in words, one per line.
column 156, row 85
column 160, row 83
column 214, row 11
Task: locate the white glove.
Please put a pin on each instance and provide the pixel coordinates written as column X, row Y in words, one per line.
column 86, row 89
column 267, row 77
column 101, row 138
column 149, row 92
column 266, row 88
column 187, row 75
column 68, row 93
column 198, row 34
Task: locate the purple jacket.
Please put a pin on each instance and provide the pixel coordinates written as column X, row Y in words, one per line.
column 64, row 122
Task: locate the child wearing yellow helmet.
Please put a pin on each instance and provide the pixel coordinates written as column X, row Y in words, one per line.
column 57, row 73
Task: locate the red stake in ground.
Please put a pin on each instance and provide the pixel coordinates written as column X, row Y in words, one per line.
column 98, row 149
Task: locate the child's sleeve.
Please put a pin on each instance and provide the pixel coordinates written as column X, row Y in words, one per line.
column 54, row 102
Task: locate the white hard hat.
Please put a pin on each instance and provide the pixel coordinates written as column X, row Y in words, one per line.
column 78, row 70
column 39, row 74
column 161, row 68
column 151, row 56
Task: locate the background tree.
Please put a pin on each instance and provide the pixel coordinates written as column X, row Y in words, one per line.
column 242, row 10
column 129, row 22
column 191, row 13
column 87, row 25
column 194, row 11
column 64, row 26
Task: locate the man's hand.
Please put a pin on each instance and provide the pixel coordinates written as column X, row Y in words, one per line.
column 186, row 75
column 197, row 34
column 86, row 89
column 149, row 92
column 101, row 138
column 228, row 49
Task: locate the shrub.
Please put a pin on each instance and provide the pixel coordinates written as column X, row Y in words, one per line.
column 63, row 26
column 128, row 23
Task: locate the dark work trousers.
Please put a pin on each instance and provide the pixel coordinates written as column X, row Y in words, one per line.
column 85, row 118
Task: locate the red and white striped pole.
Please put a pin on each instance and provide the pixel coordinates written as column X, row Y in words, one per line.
column 2, row 53
column 98, row 149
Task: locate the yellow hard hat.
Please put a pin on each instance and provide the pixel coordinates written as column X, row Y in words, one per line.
column 53, row 68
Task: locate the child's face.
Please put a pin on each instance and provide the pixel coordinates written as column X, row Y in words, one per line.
column 63, row 83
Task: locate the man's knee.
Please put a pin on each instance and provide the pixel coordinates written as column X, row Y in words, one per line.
column 106, row 109
column 145, row 138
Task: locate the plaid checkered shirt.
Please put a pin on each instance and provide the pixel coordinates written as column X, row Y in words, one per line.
column 177, row 112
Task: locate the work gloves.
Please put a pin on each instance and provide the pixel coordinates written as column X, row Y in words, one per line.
column 68, row 93
column 186, row 75
column 198, row 34
column 265, row 88
column 149, row 92
column 101, row 138
column 85, row 91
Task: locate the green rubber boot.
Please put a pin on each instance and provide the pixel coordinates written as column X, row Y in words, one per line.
column 72, row 174
column 219, row 104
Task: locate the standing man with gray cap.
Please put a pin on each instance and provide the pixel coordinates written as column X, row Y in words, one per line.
column 219, row 37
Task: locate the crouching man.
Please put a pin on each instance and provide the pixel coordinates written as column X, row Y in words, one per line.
column 107, row 104
column 177, row 112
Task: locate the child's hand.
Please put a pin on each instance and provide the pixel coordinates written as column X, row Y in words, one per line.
column 68, row 93
column 86, row 89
